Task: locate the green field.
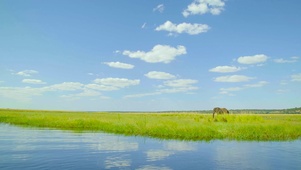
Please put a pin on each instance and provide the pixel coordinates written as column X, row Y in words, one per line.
column 181, row 125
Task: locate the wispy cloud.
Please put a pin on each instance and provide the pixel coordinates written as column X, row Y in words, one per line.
column 188, row 28
column 26, row 73
column 291, row 60
column 117, row 82
column 229, row 90
column 142, row 95
column 33, row 81
column 233, row 78
column 255, row 59
column 296, row 77
column 85, row 93
column 178, row 85
column 200, row 7
column 143, row 25
column 170, row 86
column 225, row 69
column 159, row 75
column 159, row 54
column 258, row 84
column 119, row 65
column 65, row 86
column 23, row 94
column 26, row 94
column 159, row 8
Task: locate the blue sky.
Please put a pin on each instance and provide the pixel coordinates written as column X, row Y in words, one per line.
column 150, row 55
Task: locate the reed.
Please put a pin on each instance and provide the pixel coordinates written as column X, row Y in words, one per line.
column 183, row 126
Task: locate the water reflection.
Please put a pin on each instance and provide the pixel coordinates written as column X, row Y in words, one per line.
column 28, row 148
column 122, row 161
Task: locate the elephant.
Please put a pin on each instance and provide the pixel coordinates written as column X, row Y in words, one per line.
column 218, row 110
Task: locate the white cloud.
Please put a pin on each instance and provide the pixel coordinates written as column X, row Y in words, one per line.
column 296, row 77
column 233, row 89
column 179, row 85
column 85, row 93
column 142, row 95
column 180, row 82
column 159, row 53
column 259, row 58
column 101, row 87
column 159, row 75
column 188, row 28
column 159, row 8
column 230, row 89
column 170, row 86
column 291, row 60
column 116, row 82
column 233, row 78
column 200, row 7
column 225, row 69
column 65, row 86
column 282, row 91
column 259, row 84
column 27, row 73
column 33, row 81
column 23, row 94
column 119, row 65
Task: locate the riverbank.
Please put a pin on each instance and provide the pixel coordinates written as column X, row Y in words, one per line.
column 183, row 126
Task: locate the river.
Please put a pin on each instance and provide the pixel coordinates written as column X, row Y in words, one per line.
column 34, row 148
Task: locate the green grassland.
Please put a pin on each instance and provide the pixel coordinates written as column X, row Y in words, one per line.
column 181, row 125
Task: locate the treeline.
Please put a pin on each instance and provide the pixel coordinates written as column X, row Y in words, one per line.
column 296, row 110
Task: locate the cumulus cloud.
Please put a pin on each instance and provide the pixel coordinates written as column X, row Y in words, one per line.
column 33, row 81
column 159, row 75
column 200, row 7
column 188, row 28
column 233, row 78
column 119, row 65
column 225, row 69
column 296, row 77
column 259, row 58
column 159, row 54
column 159, row 8
column 27, row 73
column 291, row 60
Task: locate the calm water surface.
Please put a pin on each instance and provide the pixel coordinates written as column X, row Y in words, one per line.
column 29, row 149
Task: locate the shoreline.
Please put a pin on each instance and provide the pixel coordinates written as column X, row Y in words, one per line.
column 167, row 125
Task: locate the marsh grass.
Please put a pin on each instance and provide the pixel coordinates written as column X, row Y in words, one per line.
column 183, row 126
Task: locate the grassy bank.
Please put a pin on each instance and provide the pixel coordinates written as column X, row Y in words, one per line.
column 184, row 126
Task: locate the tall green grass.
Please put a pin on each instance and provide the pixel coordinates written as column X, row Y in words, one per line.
column 184, row 126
